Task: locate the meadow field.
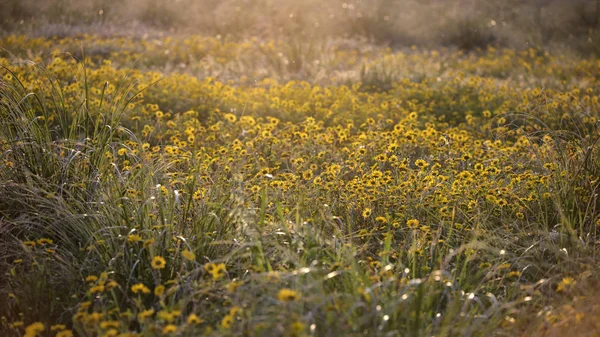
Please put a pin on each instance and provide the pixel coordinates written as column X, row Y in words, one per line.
column 249, row 177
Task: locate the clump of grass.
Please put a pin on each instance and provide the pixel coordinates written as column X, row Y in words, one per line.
column 54, row 165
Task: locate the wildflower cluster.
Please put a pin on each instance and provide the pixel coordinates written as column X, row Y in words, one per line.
column 261, row 206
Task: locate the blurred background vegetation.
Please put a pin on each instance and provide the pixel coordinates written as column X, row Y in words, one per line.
column 567, row 25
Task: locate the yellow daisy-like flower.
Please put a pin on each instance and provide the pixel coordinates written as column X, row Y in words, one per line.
column 188, row 255
column 134, row 238
column 110, row 324
column 381, row 219
column 97, row 289
column 159, row 290
column 412, row 223
column 420, row 163
column 168, row 316
column 193, row 319
column 91, row 278
column 227, row 321
column 34, row 329
column 366, row 213
column 111, row 285
column 307, row 175
column 158, row 262
column 140, row 288
column 230, row 118
column 169, row 329
column 145, row 314
column 216, row 270
column 58, row 327
column 288, row 295
column 566, row 284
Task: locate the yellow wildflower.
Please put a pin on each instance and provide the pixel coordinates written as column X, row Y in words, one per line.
column 412, row 223
column 188, row 255
column 158, row 262
column 159, row 290
column 288, row 295
column 169, row 329
column 34, row 329
column 566, row 284
column 145, row 314
column 193, row 319
column 140, row 287
column 366, row 213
